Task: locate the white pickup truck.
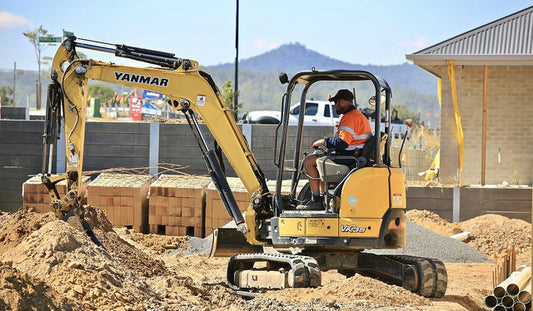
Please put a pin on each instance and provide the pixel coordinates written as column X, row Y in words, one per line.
column 317, row 113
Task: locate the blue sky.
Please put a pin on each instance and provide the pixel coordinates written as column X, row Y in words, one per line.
column 356, row 31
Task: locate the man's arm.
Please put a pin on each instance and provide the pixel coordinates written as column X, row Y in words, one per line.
column 336, row 143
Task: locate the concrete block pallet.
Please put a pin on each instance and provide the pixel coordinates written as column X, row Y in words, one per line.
column 176, row 205
column 215, row 213
column 123, row 197
column 35, row 195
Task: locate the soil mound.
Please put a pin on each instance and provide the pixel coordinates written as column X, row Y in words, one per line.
column 50, row 264
column 18, row 291
column 345, row 291
column 494, row 234
column 63, row 258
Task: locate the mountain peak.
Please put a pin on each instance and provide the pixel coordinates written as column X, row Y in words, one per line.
column 294, row 57
column 289, row 57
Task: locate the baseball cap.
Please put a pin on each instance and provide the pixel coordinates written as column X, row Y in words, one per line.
column 342, row 94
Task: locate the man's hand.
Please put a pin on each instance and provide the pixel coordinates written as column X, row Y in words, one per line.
column 317, row 143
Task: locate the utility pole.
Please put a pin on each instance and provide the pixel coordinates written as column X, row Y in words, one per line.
column 14, row 84
column 38, row 97
column 236, row 94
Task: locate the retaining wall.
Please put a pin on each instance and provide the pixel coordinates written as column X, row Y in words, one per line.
column 134, row 145
column 463, row 203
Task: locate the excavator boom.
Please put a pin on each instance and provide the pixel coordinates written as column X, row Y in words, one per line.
column 189, row 90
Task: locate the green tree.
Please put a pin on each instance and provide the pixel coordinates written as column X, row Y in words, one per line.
column 103, row 92
column 6, row 96
column 228, row 95
column 47, row 60
column 33, row 36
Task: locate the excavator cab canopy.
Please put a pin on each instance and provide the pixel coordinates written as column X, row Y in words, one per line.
column 306, row 79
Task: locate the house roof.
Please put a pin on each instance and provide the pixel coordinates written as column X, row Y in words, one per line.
column 506, row 41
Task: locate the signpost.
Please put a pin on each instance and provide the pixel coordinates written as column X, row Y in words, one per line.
column 50, row 39
column 67, row 34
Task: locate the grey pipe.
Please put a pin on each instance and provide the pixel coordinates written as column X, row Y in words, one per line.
column 491, row 301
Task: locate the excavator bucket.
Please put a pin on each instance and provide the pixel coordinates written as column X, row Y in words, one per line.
column 229, row 241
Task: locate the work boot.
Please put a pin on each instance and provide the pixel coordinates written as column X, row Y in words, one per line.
column 315, row 204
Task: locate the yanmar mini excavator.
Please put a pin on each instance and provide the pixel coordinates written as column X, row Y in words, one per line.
column 275, row 244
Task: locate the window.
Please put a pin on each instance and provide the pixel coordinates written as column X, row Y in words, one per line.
column 326, row 111
column 311, row 109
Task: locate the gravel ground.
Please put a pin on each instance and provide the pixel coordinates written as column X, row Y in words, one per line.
column 426, row 243
column 420, row 242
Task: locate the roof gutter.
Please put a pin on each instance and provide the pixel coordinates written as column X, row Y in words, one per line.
column 507, row 60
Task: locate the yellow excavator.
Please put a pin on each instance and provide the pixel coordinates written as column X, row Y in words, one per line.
column 276, row 244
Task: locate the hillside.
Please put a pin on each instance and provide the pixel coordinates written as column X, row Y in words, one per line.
column 260, row 89
column 295, row 57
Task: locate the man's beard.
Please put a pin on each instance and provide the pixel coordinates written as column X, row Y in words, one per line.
column 341, row 110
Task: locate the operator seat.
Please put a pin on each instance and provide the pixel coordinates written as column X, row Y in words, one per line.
column 332, row 173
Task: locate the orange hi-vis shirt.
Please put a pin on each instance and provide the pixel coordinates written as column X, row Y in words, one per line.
column 354, row 128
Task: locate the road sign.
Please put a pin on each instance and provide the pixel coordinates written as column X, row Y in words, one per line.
column 67, row 34
column 50, row 39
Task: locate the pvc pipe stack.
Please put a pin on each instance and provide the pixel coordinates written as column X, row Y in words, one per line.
column 514, row 293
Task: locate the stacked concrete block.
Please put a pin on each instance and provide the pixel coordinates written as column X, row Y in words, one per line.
column 215, row 213
column 35, row 195
column 176, row 205
column 123, row 197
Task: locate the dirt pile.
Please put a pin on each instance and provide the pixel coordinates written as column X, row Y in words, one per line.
column 160, row 244
column 433, row 222
column 494, row 234
column 54, row 253
column 18, row 291
column 344, row 291
column 48, row 264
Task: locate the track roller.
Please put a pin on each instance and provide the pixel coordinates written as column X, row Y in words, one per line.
column 253, row 273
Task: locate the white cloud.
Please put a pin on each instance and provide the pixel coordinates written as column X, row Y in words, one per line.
column 414, row 44
column 260, row 45
column 10, row 21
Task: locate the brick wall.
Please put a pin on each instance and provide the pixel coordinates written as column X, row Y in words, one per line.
column 509, row 149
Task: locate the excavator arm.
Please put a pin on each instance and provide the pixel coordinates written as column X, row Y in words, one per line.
column 189, row 90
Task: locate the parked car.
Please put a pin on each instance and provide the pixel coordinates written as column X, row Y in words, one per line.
column 317, row 113
column 261, row 117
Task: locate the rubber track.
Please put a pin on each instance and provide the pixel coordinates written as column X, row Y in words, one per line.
column 432, row 275
column 305, row 270
column 441, row 277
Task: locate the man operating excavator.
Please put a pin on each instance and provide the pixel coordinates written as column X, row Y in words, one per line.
column 352, row 133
